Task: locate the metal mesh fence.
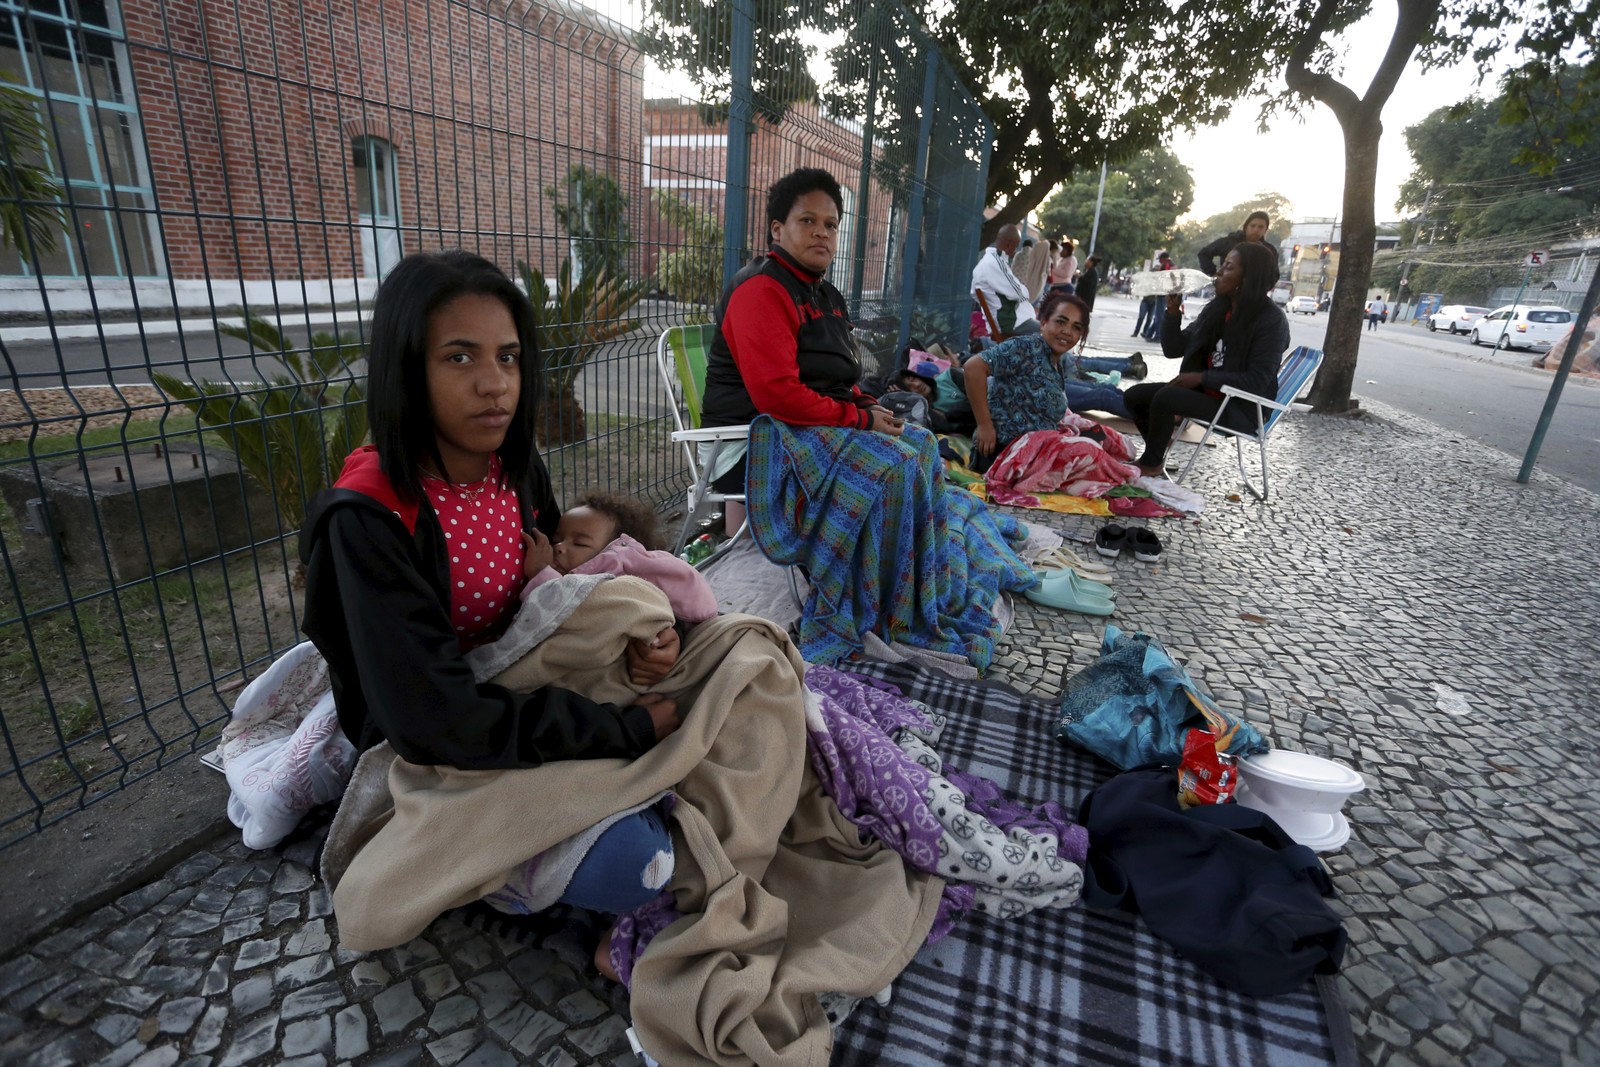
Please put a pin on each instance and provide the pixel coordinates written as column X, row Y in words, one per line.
column 196, row 222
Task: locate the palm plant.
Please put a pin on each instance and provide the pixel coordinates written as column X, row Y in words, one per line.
column 571, row 323
column 292, row 432
column 29, row 193
column 691, row 273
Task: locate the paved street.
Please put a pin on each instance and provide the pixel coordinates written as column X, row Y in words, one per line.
column 1490, row 397
column 1401, row 605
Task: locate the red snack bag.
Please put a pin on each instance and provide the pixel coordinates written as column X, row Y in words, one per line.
column 1206, row 776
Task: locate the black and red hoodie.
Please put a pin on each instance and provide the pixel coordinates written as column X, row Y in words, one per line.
column 783, row 348
column 378, row 608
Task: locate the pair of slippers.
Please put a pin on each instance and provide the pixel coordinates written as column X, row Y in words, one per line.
column 1066, row 590
column 1113, row 538
column 1069, row 582
column 1064, row 558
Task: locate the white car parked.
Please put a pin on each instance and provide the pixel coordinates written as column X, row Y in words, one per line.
column 1457, row 318
column 1523, row 326
column 1303, row 305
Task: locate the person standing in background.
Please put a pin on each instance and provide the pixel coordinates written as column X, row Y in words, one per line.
column 1066, row 268
column 1001, row 288
column 1089, row 281
column 1148, row 325
column 1377, row 311
column 1034, row 271
column 1254, row 231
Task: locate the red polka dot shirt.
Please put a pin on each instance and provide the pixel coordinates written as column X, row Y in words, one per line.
column 482, row 526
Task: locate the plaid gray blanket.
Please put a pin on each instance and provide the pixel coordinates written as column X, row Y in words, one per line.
column 1074, row 986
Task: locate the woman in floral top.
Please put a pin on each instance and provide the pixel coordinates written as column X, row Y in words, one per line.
column 1028, row 440
column 1030, row 374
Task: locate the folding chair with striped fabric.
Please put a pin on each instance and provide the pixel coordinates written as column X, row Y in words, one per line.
column 1298, row 368
column 681, row 359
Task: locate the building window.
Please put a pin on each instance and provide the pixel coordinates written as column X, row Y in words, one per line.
column 372, row 159
column 69, row 56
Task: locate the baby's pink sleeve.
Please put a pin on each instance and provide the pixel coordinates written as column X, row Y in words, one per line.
column 545, row 574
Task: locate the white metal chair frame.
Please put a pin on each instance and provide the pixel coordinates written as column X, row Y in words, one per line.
column 1298, row 368
column 690, row 435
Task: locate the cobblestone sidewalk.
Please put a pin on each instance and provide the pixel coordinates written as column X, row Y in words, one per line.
column 1401, row 605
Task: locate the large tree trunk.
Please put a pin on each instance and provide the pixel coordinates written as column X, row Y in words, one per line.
column 1359, row 230
column 1359, row 119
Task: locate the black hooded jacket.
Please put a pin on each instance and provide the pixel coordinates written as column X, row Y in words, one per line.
column 378, row 609
column 1212, row 255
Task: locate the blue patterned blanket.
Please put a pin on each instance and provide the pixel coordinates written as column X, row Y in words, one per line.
column 889, row 549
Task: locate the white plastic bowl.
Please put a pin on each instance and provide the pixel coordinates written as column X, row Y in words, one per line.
column 1284, row 781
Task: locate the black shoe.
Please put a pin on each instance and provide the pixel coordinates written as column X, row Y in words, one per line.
column 1136, row 367
column 1111, row 539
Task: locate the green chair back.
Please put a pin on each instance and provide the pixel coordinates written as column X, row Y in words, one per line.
column 689, row 345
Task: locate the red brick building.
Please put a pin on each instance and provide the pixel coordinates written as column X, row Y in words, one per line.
column 213, row 148
column 685, row 153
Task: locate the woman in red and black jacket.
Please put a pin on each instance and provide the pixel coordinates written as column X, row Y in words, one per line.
column 783, row 345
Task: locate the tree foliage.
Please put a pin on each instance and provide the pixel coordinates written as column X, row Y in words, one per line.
column 1471, row 177
column 692, row 272
column 292, row 432
column 572, row 319
column 1143, row 200
column 593, row 210
column 1066, row 83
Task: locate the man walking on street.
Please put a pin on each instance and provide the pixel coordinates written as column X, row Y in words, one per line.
column 1377, row 311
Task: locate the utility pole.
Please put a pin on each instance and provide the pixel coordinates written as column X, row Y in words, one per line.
column 1094, row 234
column 1416, row 238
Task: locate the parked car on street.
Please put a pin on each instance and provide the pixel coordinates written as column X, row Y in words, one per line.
column 1281, row 293
column 1523, row 326
column 1457, row 318
column 1303, row 305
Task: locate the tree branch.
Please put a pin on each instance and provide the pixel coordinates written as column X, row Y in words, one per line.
column 1416, row 18
column 1324, row 87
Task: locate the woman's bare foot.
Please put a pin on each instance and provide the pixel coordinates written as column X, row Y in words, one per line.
column 602, row 957
column 1157, row 471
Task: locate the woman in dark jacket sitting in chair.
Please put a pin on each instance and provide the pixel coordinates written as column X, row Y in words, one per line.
column 1238, row 340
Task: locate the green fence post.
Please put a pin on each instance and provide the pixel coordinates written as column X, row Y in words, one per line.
column 741, row 109
column 911, row 259
column 1584, row 313
column 864, row 188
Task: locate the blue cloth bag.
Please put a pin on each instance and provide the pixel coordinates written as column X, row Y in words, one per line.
column 1134, row 706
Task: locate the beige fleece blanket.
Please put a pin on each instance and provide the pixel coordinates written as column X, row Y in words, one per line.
column 782, row 899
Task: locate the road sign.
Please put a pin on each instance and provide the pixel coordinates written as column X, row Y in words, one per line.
column 1537, row 258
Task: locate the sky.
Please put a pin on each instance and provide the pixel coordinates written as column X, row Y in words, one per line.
column 1302, row 156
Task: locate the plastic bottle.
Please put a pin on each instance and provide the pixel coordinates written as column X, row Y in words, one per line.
column 699, row 549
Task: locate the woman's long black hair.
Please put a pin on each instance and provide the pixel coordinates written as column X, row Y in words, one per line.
column 1254, row 295
column 397, row 380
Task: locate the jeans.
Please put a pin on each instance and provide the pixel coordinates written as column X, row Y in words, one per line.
column 1157, row 406
column 1104, row 364
column 1148, row 317
column 1096, row 396
column 1372, row 321
column 626, row 867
